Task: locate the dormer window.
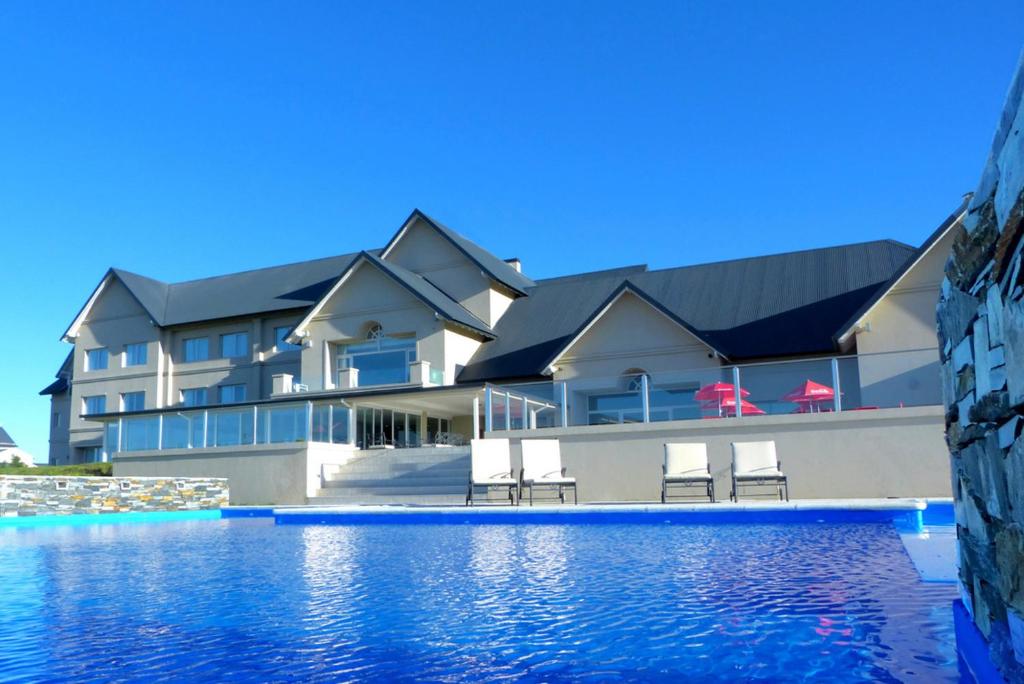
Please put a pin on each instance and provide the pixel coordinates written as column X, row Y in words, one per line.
column 381, row 359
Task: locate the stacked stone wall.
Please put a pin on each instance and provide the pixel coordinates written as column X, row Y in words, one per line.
column 981, row 338
column 22, row 495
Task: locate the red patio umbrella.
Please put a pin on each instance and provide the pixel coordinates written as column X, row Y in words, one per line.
column 809, row 393
column 729, row 407
column 713, row 394
column 717, row 390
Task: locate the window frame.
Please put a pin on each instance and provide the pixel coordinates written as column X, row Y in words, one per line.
column 231, row 386
column 136, row 393
column 184, row 392
column 126, row 356
column 185, row 347
column 280, row 345
column 97, row 397
column 89, row 366
column 244, row 348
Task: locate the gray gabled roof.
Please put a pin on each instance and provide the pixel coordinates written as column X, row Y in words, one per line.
column 493, row 266
column 5, row 439
column 63, row 375
column 429, row 294
column 930, row 242
column 262, row 290
column 777, row 305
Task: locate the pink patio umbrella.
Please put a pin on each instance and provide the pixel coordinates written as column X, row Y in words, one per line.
column 713, row 395
column 728, row 405
column 808, row 394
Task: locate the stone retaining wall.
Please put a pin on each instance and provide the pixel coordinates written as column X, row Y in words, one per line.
column 981, row 337
column 55, row 495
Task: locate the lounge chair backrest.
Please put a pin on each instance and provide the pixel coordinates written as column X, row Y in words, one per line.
column 541, row 459
column 754, row 457
column 491, row 458
column 686, row 459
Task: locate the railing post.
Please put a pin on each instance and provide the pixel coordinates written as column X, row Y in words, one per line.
column 309, row 421
column 508, row 411
column 565, row 405
column 837, row 401
column 160, row 432
column 476, row 417
column 206, row 428
column 526, row 410
column 488, row 409
column 645, row 399
column 739, row 391
column 255, row 425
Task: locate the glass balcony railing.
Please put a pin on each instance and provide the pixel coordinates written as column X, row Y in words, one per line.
column 805, row 386
column 230, row 427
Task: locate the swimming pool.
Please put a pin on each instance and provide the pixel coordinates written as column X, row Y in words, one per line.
column 248, row 600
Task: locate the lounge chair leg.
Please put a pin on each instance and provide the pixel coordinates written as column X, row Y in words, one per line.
column 711, row 491
column 531, row 495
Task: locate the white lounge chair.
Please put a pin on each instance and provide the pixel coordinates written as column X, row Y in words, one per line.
column 542, row 467
column 755, row 464
column 686, row 465
column 491, row 467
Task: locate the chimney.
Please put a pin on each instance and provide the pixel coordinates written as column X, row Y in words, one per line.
column 515, row 263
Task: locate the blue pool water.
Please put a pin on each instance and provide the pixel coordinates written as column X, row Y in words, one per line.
column 245, row 600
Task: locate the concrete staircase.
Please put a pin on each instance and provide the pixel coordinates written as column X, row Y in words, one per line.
column 399, row 476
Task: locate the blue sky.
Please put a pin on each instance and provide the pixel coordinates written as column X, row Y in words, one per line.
column 181, row 140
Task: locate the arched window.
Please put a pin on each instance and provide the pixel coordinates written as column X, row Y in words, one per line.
column 381, row 359
column 633, row 379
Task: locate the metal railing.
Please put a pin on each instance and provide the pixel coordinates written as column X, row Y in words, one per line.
column 799, row 386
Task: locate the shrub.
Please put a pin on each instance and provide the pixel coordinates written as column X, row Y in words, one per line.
column 84, row 469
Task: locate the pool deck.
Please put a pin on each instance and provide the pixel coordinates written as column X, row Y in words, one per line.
column 909, row 511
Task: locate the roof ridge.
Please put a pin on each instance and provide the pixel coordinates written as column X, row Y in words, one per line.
column 782, row 254
column 270, row 268
column 617, row 271
column 402, row 271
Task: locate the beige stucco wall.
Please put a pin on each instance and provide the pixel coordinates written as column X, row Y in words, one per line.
column 116, row 319
column 281, row 474
column 876, row 454
column 368, row 296
column 60, row 406
column 897, row 342
column 630, row 336
column 458, row 350
column 422, row 250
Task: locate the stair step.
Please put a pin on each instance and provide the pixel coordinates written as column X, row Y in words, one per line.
column 421, row 499
column 405, row 470
column 375, row 480
column 391, row 488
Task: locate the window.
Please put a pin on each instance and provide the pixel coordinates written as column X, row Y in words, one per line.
column 92, row 455
column 96, row 359
column 381, row 360
column 234, row 344
column 135, row 354
column 197, row 349
column 92, row 406
column 232, row 394
column 279, row 341
column 56, row 420
column 195, row 396
column 133, row 401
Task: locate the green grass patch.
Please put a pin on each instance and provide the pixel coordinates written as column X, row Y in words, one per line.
column 84, row 469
